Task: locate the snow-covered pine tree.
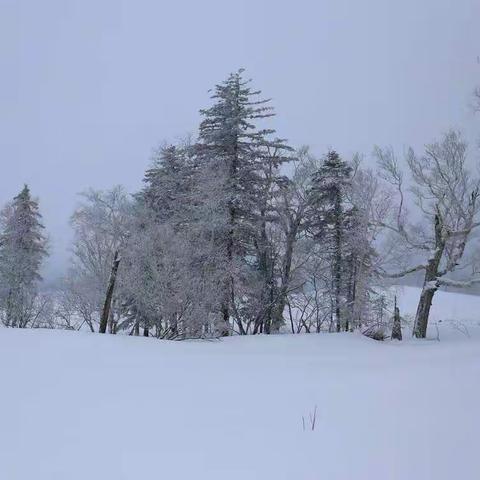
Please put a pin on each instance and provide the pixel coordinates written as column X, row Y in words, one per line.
column 241, row 159
column 169, row 281
column 22, row 250
column 159, row 206
column 268, row 307
column 169, row 183
column 330, row 218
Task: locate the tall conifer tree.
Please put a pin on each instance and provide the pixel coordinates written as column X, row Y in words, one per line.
column 242, row 158
column 331, row 217
column 22, row 250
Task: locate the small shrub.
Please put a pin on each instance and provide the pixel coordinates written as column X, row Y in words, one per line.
column 376, row 333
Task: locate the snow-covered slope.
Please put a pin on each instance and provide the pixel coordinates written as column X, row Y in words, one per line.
column 455, row 314
column 77, row 406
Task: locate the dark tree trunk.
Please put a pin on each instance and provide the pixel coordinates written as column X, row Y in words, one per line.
column 8, row 313
column 285, row 281
column 337, row 261
column 226, row 320
column 232, row 214
column 112, row 324
column 350, row 323
column 267, row 318
column 109, row 295
column 397, row 326
column 228, row 287
column 429, row 283
column 423, row 311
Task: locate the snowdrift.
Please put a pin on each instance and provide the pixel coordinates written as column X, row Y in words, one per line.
column 78, row 406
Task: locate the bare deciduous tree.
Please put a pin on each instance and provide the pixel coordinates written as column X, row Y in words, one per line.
column 446, row 195
column 100, row 228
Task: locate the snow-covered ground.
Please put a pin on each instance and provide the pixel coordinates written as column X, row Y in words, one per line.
column 453, row 315
column 82, row 406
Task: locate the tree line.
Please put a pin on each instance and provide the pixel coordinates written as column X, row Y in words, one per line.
column 237, row 232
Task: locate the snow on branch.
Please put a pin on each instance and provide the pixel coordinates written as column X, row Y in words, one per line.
column 448, row 282
column 403, row 273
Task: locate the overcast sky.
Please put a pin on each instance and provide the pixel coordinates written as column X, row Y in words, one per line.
column 89, row 87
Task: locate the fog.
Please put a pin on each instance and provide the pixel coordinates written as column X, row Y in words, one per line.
column 89, row 88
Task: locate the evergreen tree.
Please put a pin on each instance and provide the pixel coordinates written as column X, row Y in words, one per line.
column 331, row 214
column 240, row 158
column 169, row 270
column 161, row 210
column 169, row 183
column 22, row 250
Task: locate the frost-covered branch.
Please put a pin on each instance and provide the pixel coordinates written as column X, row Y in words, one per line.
column 449, row 282
column 403, row 273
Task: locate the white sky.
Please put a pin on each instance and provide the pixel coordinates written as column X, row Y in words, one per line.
column 89, row 87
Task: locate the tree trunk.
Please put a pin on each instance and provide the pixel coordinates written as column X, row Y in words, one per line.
column 397, row 326
column 337, row 261
column 264, row 317
column 429, row 283
column 283, row 291
column 229, row 294
column 351, row 324
column 8, row 313
column 109, row 295
column 112, row 324
column 228, row 287
column 423, row 311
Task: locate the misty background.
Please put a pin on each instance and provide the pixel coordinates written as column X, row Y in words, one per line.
column 88, row 89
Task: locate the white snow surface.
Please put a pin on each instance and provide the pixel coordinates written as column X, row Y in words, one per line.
column 83, row 406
